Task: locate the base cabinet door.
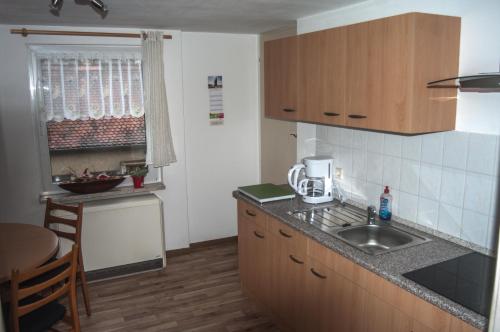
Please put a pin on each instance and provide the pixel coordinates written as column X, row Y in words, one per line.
column 287, row 281
column 383, row 317
column 332, row 302
column 253, row 246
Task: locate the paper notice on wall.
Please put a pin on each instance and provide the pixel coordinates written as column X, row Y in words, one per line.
column 216, row 110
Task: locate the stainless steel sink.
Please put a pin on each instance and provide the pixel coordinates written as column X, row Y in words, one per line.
column 378, row 239
column 349, row 224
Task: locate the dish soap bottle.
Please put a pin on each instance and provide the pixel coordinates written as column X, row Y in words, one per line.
column 385, row 211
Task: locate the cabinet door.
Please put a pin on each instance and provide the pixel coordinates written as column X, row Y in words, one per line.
column 333, row 303
column 322, row 70
column 253, row 247
column 287, row 282
column 379, row 73
column 281, row 78
column 382, row 317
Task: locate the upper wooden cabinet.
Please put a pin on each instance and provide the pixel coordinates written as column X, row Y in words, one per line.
column 281, row 78
column 373, row 75
column 322, row 75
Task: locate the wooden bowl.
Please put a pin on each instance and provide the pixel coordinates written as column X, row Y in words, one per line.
column 91, row 186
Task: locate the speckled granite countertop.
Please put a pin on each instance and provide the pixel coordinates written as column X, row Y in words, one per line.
column 390, row 266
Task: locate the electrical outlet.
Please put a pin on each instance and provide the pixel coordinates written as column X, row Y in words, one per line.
column 339, row 174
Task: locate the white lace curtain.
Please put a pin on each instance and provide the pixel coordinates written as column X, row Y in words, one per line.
column 80, row 86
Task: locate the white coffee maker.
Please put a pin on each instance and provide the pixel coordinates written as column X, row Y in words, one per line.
column 313, row 179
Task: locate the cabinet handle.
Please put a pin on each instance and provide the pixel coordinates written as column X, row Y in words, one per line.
column 331, row 114
column 285, row 234
column 357, row 116
column 317, row 274
column 250, row 213
column 260, row 236
column 295, row 260
column 288, row 110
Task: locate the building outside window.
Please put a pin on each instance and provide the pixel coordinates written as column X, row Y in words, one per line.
column 90, row 107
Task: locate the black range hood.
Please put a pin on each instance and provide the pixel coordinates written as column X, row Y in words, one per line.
column 487, row 82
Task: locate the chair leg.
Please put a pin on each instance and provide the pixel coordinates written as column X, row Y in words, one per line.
column 85, row 290
column 75, row 318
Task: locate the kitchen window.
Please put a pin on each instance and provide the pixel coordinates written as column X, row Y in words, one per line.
column 90, row 110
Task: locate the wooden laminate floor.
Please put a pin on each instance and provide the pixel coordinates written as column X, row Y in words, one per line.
column 198, row 291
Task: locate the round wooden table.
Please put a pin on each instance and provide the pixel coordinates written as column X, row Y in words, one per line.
column 24, row 247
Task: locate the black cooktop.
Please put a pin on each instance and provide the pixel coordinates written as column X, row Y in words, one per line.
column 467, row 280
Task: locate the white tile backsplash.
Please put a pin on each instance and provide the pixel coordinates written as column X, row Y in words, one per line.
column 478, row 191
column 359, row 164
column 391, row 172
column 430, row 181
column 373, row 191
column 374, row 173
column 481, row 156
column 432, row 148
column 450, row 219
column 408, row 205
column 428, row 212
column 474, row 227
column 412, row 147
column 358, row 191
column 346, row 136
column 345, row 161
column 446, row 181
column 410, row 176
column 452, row 186
column 392, row 145
column 334, row 135
column 455, row 149
column 375, row 142
column 359, row 139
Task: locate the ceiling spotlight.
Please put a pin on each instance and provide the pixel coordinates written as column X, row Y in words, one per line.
column 99, row 5
column 55, row 5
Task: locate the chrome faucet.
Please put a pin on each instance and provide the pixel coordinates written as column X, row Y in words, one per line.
column 372, row 212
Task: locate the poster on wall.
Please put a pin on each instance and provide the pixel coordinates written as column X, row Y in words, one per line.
column 216, row 110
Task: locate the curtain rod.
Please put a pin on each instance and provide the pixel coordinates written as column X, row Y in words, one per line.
column 25, row 32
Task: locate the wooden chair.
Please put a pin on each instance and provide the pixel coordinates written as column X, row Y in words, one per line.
column 75, row 237
column 35, row 308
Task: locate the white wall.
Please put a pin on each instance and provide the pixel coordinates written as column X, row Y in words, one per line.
column 234, row 56
column 219, row 157
column 479, row 46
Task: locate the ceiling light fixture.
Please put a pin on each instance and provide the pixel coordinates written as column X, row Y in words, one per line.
column 99, row 5
column 55, row 5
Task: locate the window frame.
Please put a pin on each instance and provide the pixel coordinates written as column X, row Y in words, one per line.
column 39, row 124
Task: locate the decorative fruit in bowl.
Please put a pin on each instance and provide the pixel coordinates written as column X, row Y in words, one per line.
column 88, row 183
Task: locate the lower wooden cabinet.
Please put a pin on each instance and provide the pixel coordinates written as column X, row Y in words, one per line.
column 381, row 316
column 307, row 287
column 332, row 302
column 253, row 258
column 287, row 272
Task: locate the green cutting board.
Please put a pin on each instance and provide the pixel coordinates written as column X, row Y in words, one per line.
column 267, row 192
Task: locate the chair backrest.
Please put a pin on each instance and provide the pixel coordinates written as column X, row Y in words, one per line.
column 64, row 278
column 75, row 223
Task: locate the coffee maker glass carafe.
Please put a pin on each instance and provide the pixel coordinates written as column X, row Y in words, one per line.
column 313, row 179
column 312, row 187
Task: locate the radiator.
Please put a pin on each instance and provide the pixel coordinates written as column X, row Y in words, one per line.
column 121, row 231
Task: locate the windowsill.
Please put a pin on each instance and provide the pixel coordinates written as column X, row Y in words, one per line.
column 125, row 191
